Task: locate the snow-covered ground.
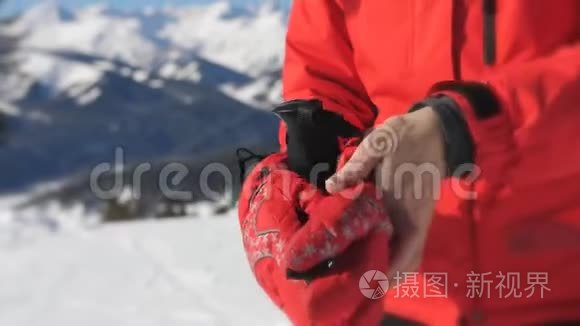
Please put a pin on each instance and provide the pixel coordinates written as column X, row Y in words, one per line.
column 171, row 272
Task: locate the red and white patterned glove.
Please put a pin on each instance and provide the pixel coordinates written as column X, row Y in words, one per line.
column 308, row 249
column 286, row 218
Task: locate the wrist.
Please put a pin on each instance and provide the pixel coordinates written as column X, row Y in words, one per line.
column 458, row 143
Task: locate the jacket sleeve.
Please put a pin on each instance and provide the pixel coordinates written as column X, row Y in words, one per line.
column 512, row 100
column 319, row 62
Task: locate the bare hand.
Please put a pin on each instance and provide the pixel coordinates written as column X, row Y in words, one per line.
column 408, row 154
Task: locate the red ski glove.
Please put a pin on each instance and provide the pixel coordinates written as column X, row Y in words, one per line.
column 303, row 226
column 309, row 250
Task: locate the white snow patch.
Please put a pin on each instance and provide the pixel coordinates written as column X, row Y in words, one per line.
column 140, row 76
column 247, row 93
column 174, row 272
column 93, row 31
column 59, row 74
column 78, row 90
column 250, row 42
column 43, row 14
column 156, row 83
column 168, row 70
column 104, row 65
column 15, row 86
column 189, row 72
column 9, row 109
column 89, row 97
column 21, row 227
column 126, row 72
column 245, row 43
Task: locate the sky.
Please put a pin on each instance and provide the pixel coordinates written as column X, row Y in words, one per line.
column 14, row 6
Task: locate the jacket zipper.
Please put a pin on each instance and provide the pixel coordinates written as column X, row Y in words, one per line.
column 489, row 31
column 457, row 36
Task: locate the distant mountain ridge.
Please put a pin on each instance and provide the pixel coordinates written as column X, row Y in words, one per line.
column 180, row 81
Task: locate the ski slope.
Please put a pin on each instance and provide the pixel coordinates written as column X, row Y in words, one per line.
column 172, row 272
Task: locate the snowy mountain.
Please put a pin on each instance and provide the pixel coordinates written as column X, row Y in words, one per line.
column 247, row 40
column 258, row 40
column 175, row 81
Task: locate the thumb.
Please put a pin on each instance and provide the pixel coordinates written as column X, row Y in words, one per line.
column 356, row 170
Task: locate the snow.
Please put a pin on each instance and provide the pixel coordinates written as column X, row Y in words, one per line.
column 258, row 41
column 140, row 76
column 246, row 41
column 172, row 272
column 44, row 13
column 14, row 87
column 78, row 90
column 126, row 71
column 189, row 72
column 90, row 31
column 168, row 70
column 247, row 93
column 104, row 65
column 149, row 43
column 9, row 109
column 59, row 74
column 89, row 97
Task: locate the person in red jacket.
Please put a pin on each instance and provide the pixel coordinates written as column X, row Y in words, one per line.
column 478, row 102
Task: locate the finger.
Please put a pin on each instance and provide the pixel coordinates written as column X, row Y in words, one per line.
column 384, row 176
column 357, row 169
column 329, row 232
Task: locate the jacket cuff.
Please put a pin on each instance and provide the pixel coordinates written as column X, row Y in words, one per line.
column 459, row 148
column 488, row 123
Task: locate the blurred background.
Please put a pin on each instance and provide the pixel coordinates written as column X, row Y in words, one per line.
column 106, row 95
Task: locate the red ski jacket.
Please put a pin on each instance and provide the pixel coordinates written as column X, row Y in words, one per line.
column 371, row 59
